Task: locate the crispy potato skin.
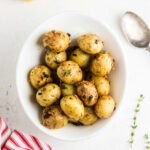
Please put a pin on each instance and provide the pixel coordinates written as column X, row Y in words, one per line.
column 69, row 72
column 105, row 107
column 87, row 92
column 39, row 76
column 89, row 116
column 101, row 83
column 102, row 64
column 80, row 57
column 56, row 41
column 90, row 43
column 67, row 89
column 72, row 106
column 48, row 94
column 53, row 117
column 53, row 59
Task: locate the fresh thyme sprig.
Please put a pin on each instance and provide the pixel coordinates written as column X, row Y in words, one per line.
column 147, row 141
column 134, row 125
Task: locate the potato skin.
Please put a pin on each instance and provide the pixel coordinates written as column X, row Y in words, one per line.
column 80, row 57
column 90, row 43
column 101, row 83
column 53, row 117
column 89, row 116
column 72, row 106
column 87, row 92
column 56, row 41
column 102, row 64
column 72, row 121
column 67, row 89
column 69, row 72
column 104, row 107
column 53, row 59
column 48, row 94
column 39, row 76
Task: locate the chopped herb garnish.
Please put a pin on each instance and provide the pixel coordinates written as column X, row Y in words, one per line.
column 42, row 89
column 69, row 71
column 63, row 72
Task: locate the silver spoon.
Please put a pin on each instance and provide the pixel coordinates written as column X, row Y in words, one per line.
column 135, row 30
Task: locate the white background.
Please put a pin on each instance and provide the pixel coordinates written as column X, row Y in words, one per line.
column 19, row 18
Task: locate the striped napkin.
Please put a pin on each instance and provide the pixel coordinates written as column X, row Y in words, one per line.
column 19, row 141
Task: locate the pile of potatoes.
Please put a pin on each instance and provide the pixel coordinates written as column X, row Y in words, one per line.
column 73, row 86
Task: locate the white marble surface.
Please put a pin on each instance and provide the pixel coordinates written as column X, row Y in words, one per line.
column 19, row 18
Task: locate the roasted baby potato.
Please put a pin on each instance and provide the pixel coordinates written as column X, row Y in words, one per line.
column 87, row 92
column 48, row 94
column 102, row 64
column 69, row 72
column 53, row 117
column 72, row 106
column 80, row 57
column 101, row 83
column 90, row 43
column 89, row 116
column 105, row 107
column 67, row 89
column 56, row 41
column 39, row 76
column 53, row 59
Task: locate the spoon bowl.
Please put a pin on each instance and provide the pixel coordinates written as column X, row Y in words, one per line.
column 135, row 30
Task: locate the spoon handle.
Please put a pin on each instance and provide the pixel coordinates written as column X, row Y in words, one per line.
column 148, row 48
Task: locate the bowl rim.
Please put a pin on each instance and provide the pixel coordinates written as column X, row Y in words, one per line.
column 125, row 76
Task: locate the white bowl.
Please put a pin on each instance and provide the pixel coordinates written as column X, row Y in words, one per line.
column 75, row 24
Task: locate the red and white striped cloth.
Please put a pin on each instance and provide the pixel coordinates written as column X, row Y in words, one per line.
column 19, row 141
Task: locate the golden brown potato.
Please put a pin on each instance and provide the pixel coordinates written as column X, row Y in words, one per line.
column 105, row 107
column 89, row 116
column 80, row 57
column 39, row 76
column 53, row 117
column 101, row 83
column 48, row 94
column 72, row 106
column 67, row 89
column 56, row 41
column 69, row 72
column 53, row 59
column 102, row 64
column 87, row 92
column 90, row 43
